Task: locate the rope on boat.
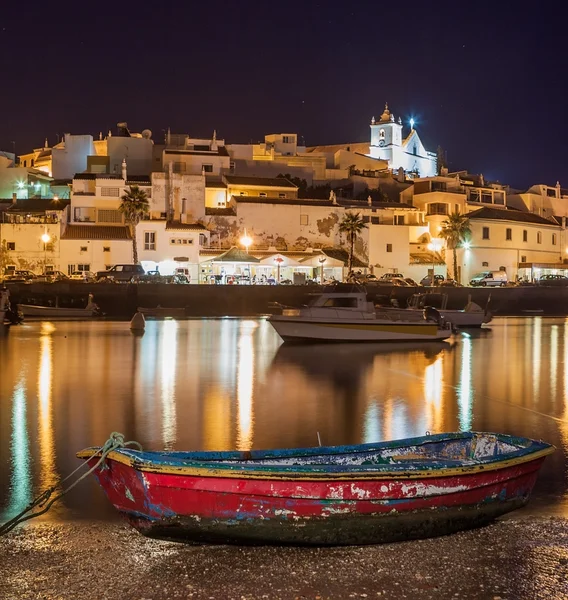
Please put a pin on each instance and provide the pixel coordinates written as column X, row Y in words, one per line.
column 115, row 441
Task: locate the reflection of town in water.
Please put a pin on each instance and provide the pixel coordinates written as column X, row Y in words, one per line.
column 230, row 384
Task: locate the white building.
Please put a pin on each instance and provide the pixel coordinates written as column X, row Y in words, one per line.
column 407, row 153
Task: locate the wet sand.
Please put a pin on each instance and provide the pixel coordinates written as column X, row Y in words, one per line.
column 513, row 559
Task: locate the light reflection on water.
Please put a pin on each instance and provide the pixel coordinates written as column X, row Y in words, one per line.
column 228, row 383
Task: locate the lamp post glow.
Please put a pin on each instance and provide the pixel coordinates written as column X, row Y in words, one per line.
column 278, row 260
column 433, row 247
column 45, row 238
column 321, row 261
column 246, row 241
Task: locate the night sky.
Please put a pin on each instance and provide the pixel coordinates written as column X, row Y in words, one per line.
column 486, row 82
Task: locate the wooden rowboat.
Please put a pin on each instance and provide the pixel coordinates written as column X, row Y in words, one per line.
column 364, row 494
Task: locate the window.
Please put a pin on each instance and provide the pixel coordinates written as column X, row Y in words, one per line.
column 109, row 216
column 474, row 196
column 382, row 134
column 554, row 239
column 220, row 204
column 304, row 220
column 202, row 239
column 399, row 219
column 499, row 198
column 282, row 195
column 341, row 302
column 288, row 139
column 232, row 166
column 163, row 215
column 486, row 233
column 538, row 237
column 84, row 215
column 389, row 247
column 11, row 246
column 70, row 269
column 457, row 209
column 437, row 208
column 551, row 192
column 484, row 264
column 149, row 240
column 375, row 220
column 84, row 267
column 523, row 259
column 181, row 241
column 525, row 235
column 110, row 191
column 207, row 168
column 415, row 150
column 179, row 167
column 83, row 248
column 366, row 219
column 508, row 234
column 262, row 194
column 106, row 248
column 439, row 186
column 486, row 198
column 243, row 193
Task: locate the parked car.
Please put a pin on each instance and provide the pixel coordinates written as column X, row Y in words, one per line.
column 392, row 275
column 553, row 280
column 489, row 278
column 121, row 273
column 52, row 276
column 427, row 280
column 19, row 276
column 82, row 276
column 411, row 282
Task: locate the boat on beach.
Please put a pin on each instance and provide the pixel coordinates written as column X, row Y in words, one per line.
column 338, row 495
column 344, row 314
column 472, row 315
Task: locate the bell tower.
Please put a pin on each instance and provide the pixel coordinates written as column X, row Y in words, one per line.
column 386, row 136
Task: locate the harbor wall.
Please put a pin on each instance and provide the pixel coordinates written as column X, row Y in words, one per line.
column 122, row 300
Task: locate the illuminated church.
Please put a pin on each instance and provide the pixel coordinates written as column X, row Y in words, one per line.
column 409, row 153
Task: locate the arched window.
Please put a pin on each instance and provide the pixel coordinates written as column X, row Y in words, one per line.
column 538, row 237
column 382, row 134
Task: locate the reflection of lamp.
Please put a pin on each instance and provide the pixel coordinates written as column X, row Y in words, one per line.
column 278, row 260
column 433, row 246
column 45, row 238
column 321, row 261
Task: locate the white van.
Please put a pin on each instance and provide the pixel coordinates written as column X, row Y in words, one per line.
column 489, row 278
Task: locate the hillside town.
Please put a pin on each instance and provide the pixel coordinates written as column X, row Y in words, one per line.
column 221, row 212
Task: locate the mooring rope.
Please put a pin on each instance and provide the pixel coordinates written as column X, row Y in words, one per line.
column 115, row 441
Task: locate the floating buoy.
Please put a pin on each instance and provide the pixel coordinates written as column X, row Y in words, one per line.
column 138, row 323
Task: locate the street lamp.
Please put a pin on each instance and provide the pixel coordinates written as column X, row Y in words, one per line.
column 278, row 260
column 433, row 246
column 321, row 261
column 45, row 238
column 246, row 241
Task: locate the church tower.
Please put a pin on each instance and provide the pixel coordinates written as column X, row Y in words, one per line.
column 386, row 136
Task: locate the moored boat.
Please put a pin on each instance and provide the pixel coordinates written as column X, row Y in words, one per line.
column 345, row 315
column 364, row 494
column 162, row 312
column 472, row 315
column 60, row 312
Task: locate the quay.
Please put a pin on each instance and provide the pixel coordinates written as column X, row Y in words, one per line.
column 122, row 300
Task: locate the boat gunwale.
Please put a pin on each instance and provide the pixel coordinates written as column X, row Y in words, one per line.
column 208, row 464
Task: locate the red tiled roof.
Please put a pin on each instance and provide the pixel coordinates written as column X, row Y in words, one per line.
column 177, row 226
column 96, row 232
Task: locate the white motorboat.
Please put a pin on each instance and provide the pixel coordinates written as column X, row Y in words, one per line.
column 60, row 312
column 345, row 315
column 472, row 315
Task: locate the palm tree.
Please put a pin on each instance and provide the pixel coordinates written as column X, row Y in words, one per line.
column 455, row 230
column 134, row 206
column 352, row 224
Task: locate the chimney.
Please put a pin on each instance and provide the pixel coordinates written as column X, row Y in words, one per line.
column 124, row 169
column 14, row 197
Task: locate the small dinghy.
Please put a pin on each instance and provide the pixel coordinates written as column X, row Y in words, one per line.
column 364, row 494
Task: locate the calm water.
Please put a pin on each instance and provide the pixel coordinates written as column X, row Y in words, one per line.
column 226, row 384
